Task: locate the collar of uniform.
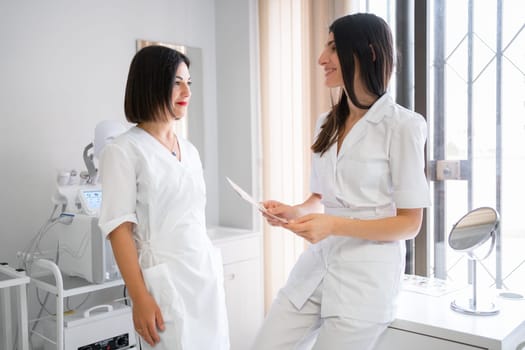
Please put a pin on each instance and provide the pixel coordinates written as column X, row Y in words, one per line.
column 378, row 111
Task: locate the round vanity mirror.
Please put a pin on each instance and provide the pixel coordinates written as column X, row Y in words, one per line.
column 473, row 229
column 468, row 234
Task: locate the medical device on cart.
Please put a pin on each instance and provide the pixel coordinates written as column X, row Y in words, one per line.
column 82, row 249
column 106, row 326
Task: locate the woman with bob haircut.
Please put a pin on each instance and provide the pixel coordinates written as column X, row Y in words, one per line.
column 153, row 212
column 368, row 193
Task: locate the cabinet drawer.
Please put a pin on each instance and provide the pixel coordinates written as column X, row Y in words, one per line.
column 399, row 339
column 240, row 249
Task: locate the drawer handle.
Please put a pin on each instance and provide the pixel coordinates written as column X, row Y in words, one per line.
column 108, row 308
column 229, row 277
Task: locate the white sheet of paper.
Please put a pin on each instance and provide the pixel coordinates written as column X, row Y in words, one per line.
column 252, row 201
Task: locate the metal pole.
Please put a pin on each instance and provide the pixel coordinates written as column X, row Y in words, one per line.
column 421, row 245
column 470, row 86
column 499, row 56
column 405, row 51
column 440, row 270
column 470, row 83
column 405, row 80
column 474, row 300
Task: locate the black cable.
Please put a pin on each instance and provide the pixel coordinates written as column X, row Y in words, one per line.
column 125, row 296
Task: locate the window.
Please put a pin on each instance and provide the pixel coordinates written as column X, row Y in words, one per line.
column 474, row 83
column 476, row 119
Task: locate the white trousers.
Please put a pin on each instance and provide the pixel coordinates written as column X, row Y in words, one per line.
column 287, row 328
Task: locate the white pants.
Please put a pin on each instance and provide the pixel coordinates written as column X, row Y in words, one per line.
column 287, row 328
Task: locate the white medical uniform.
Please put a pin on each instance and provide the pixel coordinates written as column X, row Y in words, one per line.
column 143, row 183
column 379, row 168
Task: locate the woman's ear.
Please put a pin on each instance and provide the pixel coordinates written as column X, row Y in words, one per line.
column 373, row 52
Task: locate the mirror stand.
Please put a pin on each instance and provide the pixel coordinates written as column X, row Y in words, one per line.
column 473, row 306
column 469, row 233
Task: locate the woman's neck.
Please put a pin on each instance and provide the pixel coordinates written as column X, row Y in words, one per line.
column 162, row 130
column 164, row 133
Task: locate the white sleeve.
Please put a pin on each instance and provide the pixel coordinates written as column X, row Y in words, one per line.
column 407, row 164
column 119, row 189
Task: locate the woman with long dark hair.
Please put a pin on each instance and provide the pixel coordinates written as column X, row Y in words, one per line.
column 368, row 193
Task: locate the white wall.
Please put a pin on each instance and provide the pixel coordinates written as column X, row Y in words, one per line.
column 63, row 67
column 238, row 110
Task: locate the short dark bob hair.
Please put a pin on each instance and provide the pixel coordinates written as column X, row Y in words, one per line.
column 150, row 83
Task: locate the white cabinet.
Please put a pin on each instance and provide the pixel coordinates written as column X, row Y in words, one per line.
column 427, row 322
column 243, row 282
column 243, row 300
column 402, row 339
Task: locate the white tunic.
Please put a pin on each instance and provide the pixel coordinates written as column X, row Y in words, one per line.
column 143, row 183
column 379, row 168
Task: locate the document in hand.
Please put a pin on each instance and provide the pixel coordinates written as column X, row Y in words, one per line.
column 252, row 201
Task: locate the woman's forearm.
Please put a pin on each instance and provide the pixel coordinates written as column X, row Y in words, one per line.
column 405, row 225
column 126, row 256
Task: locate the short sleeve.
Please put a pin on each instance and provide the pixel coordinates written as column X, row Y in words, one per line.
column 407, row 164
column 119, row 188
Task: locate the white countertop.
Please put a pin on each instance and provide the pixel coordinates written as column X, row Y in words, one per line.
column 430, row 314
column 222, row 234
